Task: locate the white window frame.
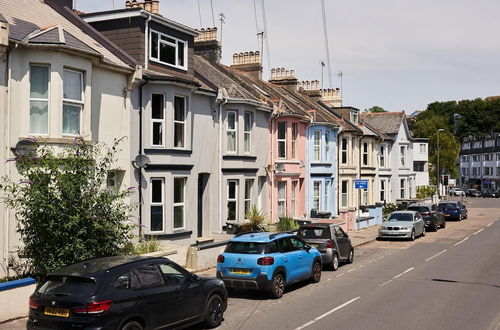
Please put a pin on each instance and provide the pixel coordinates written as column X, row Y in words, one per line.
column 423, row 148
column 327, row 146
column 317, row 146
column 40, row 99
column 162, row 204
column 232, row 130
column 177, row 41
column 180, row 122
column 156, row 120
column 179, row 204
column 74, row 103
column 364, row 196
column 344, row 151
column 383, row 156
column 344, row 196
column 326, row 194
column 248, row 197
column 365, row 153
column 233, row 200
column 316, row 195
column 293, row 198
column 247, row 134
column 295, row 133
column 402, row 156
column 281, row 140
column 282, row 201
column 383, row 188
column 402, row 187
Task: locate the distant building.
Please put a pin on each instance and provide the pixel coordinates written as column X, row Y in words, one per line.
column 480, row 161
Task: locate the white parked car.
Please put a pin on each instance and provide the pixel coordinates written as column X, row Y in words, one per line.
column 457, row 192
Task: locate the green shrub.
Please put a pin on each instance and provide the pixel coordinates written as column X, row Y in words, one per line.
column 286, row 224
column 143, row 246
column 425, row 191
column 255, row 222
column 389, row 208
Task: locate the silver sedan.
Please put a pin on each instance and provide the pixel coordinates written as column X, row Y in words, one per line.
column 402, row 224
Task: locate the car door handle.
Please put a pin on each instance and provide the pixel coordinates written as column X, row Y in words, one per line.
column 285, row 259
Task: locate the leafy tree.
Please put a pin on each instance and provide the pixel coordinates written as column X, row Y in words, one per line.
column 449, row 149
column 375, row 109
column 65, row 212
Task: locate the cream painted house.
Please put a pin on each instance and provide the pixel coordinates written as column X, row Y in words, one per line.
column 59, row 80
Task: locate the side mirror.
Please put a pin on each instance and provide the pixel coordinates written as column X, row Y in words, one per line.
column 307, row 247
column 195, row 277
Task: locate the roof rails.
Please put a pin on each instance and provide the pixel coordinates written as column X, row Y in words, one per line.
column 249, row 232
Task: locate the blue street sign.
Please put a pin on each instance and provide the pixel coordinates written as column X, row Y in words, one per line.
column 361, row 184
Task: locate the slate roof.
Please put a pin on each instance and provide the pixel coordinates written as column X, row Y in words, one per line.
column 386, row 122
column 35, row 22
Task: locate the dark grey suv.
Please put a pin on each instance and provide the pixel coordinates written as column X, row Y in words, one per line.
column 433, row 218
column 331, row 241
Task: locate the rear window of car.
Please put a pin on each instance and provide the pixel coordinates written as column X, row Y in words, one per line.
column 446, row 205
column 419, row 208
column 401, row 217
column 314, row 232
column 246, row 248
column 67, row 286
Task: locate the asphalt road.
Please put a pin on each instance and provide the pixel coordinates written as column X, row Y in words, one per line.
column 447, row 280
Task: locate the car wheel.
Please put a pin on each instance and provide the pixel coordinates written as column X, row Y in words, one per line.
column 460, row 217
column 435, row 226
column 350, row 258
column 443, row 224
column 278, row 287
column 316, row 272
column 334, row 265
column 412, row 237
column 214, row 311
column 133, row 325
column 424, row 232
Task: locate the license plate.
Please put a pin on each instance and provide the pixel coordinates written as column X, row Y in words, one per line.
column 314, row 245
column 61, row 312
column 447, row 215
column 240, row 271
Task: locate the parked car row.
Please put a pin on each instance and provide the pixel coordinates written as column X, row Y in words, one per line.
column 419, row 218
column 487, row 193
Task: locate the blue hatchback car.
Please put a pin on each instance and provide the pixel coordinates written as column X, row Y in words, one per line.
column 455, row 210
column 268, row 261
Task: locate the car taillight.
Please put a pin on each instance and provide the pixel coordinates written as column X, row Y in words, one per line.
column 425, row 213
column 220, row 259
column 265, row 261
column 329, row 244
column 93, row 308
column 33, row 304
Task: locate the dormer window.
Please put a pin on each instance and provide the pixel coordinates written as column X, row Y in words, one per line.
column 354, row 116
column 168, row 50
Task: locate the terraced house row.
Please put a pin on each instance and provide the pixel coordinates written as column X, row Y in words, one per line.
column 204, row 141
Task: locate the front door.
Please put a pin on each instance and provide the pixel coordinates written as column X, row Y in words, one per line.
column 202, row 185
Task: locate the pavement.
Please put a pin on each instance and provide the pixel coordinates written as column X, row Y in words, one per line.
column 449, row 279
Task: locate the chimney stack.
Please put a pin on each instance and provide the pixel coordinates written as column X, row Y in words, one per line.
column 248, row 62
column 310, row 88
column 284, row 78
column 206, row 45
column 148, row 5
column 331, row 97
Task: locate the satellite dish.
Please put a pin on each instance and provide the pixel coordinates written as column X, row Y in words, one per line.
column 141, row 161
column 25, row 148
column 280, row 167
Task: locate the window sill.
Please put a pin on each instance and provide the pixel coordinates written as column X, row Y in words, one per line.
column 239, row 157
column 164, row 151
column 321, row 164
column 51, row 140
column 176, row 234
column 287, row 161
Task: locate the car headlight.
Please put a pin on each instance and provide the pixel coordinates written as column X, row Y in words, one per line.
column 383, row 228
column 404, row 228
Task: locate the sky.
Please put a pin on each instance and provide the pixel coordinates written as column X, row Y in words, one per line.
column 397, row 54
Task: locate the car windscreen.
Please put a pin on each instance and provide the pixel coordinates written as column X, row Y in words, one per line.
column 418, row 208
column 314, row 233
column 442, row 206
column 401, row 217
column 67, row 286
column 246, row 248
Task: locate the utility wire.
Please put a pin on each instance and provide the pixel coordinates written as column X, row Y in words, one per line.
column 325, row 32
column 213, row 17
column 199, row 13
column 266, row 35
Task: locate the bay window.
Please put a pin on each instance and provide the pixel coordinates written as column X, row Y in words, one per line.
column 344, row 193
column 316, row 195
column 317, row 146
column 72, row 101
column 382, row 156
column 247, row 130
column 403, row 155
column 248, row 195
column 179, row 121
column 295, row 131
column 39, row 99
column 365, row 153
column 231, row 131
column 179, row 204
column 156, row 205
column 232, row 199
column 282, row 140
column 157, row 119
column 282, row 198
column 343, row 151
column 293, row 198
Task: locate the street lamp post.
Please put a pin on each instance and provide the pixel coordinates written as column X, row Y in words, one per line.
column 438, row 174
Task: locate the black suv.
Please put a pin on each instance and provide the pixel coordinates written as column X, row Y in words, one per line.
column 331, row 241
column 126, row 292
column 433, row 218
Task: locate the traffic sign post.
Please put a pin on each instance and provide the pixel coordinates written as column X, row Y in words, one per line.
column 360, row 184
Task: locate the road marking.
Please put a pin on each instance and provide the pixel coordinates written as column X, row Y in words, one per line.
column 461, row 241
column 386, row 282
column 477, row 232
column 406, row 271
column 327, row 313
column 350, row 270
column 489, row 224
column 436, row 255
column 340, row 275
